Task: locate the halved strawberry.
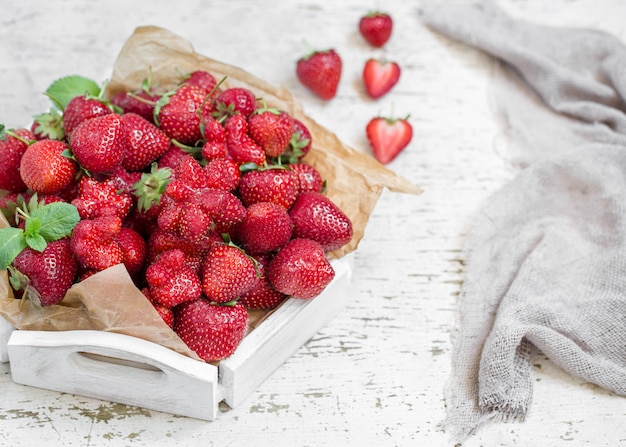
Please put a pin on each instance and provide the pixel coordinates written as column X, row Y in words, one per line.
column 380, row 76
column 388, row 137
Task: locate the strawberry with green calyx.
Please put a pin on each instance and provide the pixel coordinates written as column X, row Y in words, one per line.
column 299, row 144
column 262, row 295
column 43, row 223
column 380, row 76
column 376, row 28
column 300, row 269
column 309, row 178
column 210, row 330
column 94, row 243
column 266, row 228
column 48, row 126
column 320, row 71
column 46, row 169
column 171, row 281
column 150, row 188
column 271, row 183
column 99, row 144
column 388, row 137
column 13, row 144
column 145, row 142
column 315, row 216
column 227, row 273
column 140, row 101
column 271, row 129
column 234, row 101
column 44, row 277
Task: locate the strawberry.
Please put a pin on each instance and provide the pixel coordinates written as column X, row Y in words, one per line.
column 278, row 185
column 266, row 228
column 139, row 102
column 222, row 173
column 262, row 295
column 202, row 79
column 234, row 101
column 44, row 169
column 94, row 242
column 388, row 137
column 320, row 72
column 376, row 27
column 99, row 144
column 177, row 113
column 241, row 148
column 172, row 157
column 48, row 125
column 309, row 178
column 223, row 208
column 299, row 144
column 101, row 198
column 316, row 217
column 213, row 130
column 13, row 144
column 271, row 129
column 379, row 77
column 214, row 149
column 134, row 250
column 44, row 277
column 300, row 269
column 82, row 108
column 211, row 331
column 171, row 281
column 227, row 273
column 145, row 142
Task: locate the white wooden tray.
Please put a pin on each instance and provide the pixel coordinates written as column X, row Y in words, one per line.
column 132, row 371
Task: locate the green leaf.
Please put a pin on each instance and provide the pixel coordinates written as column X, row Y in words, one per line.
column 58, row 219
column 12, row 242
column 36, row 242
column 64, row 89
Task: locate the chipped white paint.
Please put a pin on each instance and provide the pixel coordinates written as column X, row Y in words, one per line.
column 374, row 375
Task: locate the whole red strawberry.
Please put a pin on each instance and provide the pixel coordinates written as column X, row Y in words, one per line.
column 278, row 185
column 316, row 217
column 94, row 242
column 266, row 228
column 241, row 147
column 222, row 173
column 145, row 142
column 45, row 169
column 235, row 101
column 202, row 79
column 44, row 277
column 82, row 108
column 380, row 76
column 271, row 129
column 376, row 28
column 300, row 269
column 99, row 144
column 211, row 331
column 262, row 295
column 13, row 144
column 227, row 273
column 101, row 198
column 388, row 137
column 177, row 113
column 134, row 250
column 171, row 281
column 309, row 178
column 320, row 72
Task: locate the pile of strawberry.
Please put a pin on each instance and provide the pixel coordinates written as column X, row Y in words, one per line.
column 202, row 192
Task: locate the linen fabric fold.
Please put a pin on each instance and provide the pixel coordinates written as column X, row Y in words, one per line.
column 546, row 254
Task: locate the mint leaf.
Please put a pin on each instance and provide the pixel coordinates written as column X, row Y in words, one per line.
column 58, row 219
column 36, row 242
column 64, row 89
column 12, row 242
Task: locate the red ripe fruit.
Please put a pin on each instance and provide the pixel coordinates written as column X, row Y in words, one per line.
column 139, row 102
column 376, row 28
column 97, row 199
column 134, row 250
column 309, row 178
column 99, row 144
column 262, row 295
column 81, row 108
column 211, row 331
column 202, row 79
column 272, row 130
column 379, row 77
column 227, row 273
column 94, row 242
column 223, row 208
column 222, row 173
column 12, row 147
column 178, row 116
column 300, row 269
column 270, row 185
column 144, row 142
column 44, row 277
column 388, row 137
column 44, row 169
column 171, row 281
column 316, row 217
column 266, row 228
column 299, row 144
column 241, row 148
column 235, row 101
column 320, row 72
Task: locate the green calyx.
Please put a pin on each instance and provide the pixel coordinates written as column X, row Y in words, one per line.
column 151, row 187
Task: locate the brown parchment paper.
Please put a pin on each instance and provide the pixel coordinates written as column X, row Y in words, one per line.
column 108, row 300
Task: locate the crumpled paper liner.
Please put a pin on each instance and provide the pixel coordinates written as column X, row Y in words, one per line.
column 108, row 300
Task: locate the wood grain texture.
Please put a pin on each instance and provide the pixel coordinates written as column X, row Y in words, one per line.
column 375, row 374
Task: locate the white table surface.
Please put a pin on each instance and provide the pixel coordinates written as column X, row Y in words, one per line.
column 375, row 374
